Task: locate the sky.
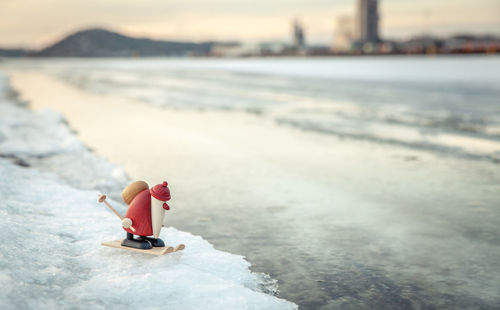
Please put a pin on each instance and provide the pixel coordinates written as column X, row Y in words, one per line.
column 37, row 23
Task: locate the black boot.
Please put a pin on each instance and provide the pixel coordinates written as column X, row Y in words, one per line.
column 157, row 243
column 136, row 243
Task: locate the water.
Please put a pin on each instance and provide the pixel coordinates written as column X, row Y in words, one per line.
column 450, row 103
column 367, row 183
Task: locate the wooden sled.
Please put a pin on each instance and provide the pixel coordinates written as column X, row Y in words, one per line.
column 154, row 251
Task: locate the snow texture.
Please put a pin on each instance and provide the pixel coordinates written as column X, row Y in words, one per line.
column 52, row 224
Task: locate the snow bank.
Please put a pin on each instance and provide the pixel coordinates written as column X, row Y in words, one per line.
column 51, row 255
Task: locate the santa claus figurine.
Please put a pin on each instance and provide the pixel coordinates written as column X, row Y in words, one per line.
column 145, row 213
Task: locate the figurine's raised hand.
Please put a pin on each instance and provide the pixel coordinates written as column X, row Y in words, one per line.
column 126, row 222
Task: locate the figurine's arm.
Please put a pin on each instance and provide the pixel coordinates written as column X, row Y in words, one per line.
column 126, row 222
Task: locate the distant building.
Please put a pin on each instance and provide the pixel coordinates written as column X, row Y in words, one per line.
column 367, row 21
column 298, row 35
column 272, row 48
column 233, row 49
column 344, row 34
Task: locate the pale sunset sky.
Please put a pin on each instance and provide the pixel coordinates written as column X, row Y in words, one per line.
column 36, row 23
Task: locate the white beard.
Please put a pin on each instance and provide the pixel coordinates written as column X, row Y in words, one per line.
column 157, row 214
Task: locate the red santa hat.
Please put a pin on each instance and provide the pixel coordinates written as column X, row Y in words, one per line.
column 160, row 191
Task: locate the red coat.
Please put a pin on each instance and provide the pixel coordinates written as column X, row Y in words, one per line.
column 139, row 211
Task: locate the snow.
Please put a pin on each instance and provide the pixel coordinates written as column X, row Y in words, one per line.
column 53, row 225
column 45, row 141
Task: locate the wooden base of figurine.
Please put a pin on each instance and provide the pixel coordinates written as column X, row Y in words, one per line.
column 154, row 251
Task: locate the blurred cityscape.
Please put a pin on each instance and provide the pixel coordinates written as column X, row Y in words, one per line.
column 353, row 34
column 358, row 34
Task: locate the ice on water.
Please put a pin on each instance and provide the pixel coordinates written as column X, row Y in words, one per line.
column 444, row 104
column 52, row 226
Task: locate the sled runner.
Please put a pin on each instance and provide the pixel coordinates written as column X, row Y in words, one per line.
column 153, row 251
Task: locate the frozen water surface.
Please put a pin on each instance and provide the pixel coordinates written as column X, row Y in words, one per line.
column 52, row 258
column 357, row 183
column 445, row 103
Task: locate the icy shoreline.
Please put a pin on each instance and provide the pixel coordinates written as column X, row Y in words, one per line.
column 411, row 102
column 49, row 183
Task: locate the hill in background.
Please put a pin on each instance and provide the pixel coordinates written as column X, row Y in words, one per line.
column 105, row 43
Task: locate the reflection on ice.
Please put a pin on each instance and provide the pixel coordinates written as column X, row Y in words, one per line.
column 409, row 101
column 52, row 257
column 393, row 208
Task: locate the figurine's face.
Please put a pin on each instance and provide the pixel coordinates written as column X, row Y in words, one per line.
column 157, row 214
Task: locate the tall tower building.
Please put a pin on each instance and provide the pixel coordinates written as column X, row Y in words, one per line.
column 367, row 21
column 298, row 35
